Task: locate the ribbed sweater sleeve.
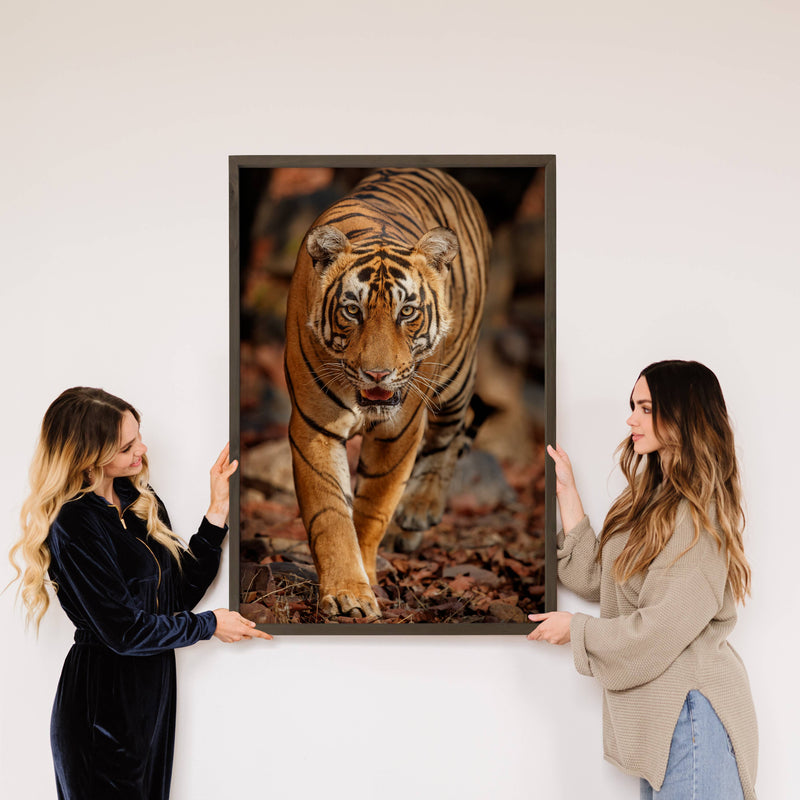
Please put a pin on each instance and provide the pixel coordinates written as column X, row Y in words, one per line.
column 578, row 568
column 676, row 603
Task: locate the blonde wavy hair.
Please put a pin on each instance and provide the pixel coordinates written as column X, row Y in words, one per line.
column 80, row 433
column 697, row 463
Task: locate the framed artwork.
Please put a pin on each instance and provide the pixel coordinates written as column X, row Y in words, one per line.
column 392, row 389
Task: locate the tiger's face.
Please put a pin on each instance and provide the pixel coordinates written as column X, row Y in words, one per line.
column 380, row 311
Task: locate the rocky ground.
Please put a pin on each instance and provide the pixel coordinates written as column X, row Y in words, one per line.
column 483, row 563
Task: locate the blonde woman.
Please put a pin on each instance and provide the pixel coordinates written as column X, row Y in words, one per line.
column 668, row 570
column 94, row 531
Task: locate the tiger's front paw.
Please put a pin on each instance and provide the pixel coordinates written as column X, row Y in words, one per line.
column 349, row 599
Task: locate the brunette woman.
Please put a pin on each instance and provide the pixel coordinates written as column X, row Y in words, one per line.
column 668, row 570
column 94, row 532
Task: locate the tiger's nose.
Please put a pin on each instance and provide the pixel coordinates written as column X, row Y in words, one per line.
column 376, row 376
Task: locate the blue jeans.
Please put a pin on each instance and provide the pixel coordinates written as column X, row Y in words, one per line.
column 702, row 764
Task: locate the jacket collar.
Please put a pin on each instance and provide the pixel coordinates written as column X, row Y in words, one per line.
column 125, row 490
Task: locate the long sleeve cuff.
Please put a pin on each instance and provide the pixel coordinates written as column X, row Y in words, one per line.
column 577, row 532
column 577, row 635
column 213, row 534
column 209, row 622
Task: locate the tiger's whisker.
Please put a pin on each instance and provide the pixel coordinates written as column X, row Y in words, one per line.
column 430, row 404
column 428, row 383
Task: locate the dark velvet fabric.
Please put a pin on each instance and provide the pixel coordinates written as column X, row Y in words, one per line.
column 113, row 723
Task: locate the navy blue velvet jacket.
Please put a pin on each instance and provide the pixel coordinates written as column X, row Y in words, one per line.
column 121, row 588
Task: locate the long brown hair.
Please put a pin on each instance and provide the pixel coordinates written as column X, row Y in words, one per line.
column 80, row 433
column 697, row 463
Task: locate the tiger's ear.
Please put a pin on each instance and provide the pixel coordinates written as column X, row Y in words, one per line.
column 439, row 246
column 324, row 244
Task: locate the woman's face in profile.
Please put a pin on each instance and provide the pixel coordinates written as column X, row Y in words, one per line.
column 641, row 420
column 128, row 460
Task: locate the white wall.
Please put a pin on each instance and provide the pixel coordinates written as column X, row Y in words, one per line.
column 675, row 127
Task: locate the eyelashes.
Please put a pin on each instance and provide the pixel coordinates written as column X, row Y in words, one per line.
column 130, row 444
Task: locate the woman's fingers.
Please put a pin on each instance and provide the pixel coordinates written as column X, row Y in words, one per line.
column 554, row 627
column 558, row 453
column 562, row 464
column 559, row 456
column 233, row 627
column 250, row 630
column 220, row 490
column 253, row 633
column 223, row 466
column 224, row 472
column 223, row 456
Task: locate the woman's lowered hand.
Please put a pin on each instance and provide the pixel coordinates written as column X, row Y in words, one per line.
column 233, row 627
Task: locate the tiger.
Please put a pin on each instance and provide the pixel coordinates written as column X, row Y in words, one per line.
column 382, row 322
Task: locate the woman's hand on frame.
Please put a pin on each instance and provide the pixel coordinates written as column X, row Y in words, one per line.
column 565, row 480
column 221, row 472
column 569, row 501
column 233, row 627
column 553, row 627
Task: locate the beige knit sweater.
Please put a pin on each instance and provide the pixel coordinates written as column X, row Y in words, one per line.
column 658, row 637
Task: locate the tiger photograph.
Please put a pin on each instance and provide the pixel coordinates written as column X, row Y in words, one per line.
column 390, row 384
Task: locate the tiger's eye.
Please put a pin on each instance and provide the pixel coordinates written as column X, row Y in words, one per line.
column 407, row 311
column 352, row 309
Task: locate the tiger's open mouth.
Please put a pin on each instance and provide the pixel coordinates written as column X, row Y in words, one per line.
column 377, row 397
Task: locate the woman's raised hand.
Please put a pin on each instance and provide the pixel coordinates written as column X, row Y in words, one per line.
column 565, row 480
column 221, row 472
column 233, row 627
column 569, row 501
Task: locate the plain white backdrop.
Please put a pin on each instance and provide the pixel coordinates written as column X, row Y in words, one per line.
column 675, row 129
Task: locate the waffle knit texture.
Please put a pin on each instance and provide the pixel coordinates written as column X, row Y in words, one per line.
column 659, row 635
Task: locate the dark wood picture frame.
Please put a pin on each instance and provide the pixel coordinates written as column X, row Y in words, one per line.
column 494, row 586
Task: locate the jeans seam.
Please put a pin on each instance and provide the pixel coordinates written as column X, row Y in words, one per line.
column 690, row 704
